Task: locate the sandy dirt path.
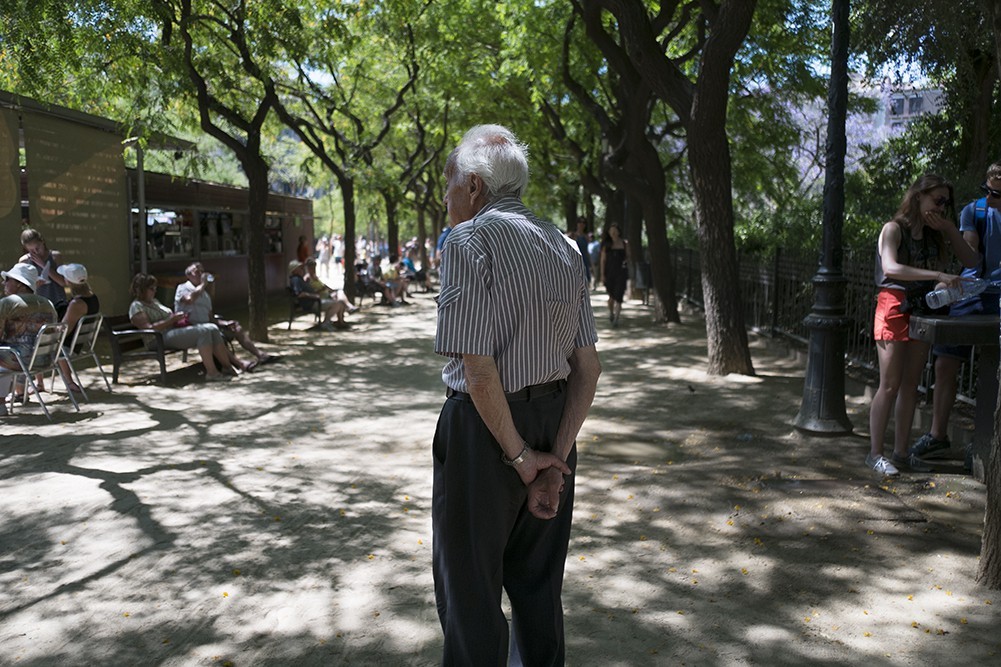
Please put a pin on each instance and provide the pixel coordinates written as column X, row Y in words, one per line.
column 284, row 518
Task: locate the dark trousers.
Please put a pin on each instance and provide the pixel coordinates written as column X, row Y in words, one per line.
column 485, row 540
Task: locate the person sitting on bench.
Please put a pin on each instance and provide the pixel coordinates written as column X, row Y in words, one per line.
column 194, row 297
column 146, row 312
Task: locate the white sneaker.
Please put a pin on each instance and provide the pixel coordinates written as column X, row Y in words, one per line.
column 882, row 465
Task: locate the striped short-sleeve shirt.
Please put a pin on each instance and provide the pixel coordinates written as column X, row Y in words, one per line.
column 513, row 288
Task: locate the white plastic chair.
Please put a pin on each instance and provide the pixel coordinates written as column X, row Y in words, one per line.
column 44, row 359
column 88, row 328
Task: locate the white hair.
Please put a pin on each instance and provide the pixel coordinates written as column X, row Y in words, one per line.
column 493, row 153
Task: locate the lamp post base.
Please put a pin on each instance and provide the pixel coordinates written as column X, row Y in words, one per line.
column 822, row 410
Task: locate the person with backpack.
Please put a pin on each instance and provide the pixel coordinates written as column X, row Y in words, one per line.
column 980, row 224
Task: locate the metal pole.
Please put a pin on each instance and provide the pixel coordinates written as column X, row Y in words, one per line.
column 776, row 300
column 823, row 407
column 141, row 189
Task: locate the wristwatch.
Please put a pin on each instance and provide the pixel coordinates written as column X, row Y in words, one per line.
column 516, row 460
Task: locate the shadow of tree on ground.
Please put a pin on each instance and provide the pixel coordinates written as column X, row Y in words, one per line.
column 284, row 518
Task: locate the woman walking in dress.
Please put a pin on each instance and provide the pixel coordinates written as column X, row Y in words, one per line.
column 614, row 269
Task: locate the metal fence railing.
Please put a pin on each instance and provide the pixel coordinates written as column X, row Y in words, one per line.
column 777, row 294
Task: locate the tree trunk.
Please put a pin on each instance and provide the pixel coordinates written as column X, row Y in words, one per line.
column 993, row 8
column 976, row 140
column 570, row 211
column 392, row 225
column 257, row 183
column 422, row 235
column 347, row 186
column 632, row 226
column 709, row 162
column 702, row 109
column 655, row 217
column 710, row 167
column 989, row 570
column 641, row 176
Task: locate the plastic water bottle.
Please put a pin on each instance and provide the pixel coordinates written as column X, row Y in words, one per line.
column 964, row 290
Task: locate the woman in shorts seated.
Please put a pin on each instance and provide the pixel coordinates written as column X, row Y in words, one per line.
column 146, row 312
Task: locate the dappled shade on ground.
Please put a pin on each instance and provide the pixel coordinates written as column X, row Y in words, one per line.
column 284, row 518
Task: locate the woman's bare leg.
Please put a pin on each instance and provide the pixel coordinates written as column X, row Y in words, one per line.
column 206, row 352
column 915, row 356
column 891, row 369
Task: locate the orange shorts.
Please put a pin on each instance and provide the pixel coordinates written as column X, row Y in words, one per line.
column 890, row 323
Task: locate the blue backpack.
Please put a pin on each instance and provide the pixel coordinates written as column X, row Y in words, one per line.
column 980, row 222
column 975, row 305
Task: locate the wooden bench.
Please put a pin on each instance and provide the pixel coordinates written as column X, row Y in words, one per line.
column 129, row 343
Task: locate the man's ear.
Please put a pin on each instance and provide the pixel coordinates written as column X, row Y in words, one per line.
column 477, row 187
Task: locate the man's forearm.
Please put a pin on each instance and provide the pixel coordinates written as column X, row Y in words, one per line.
column 487, row 392
column 581, row 384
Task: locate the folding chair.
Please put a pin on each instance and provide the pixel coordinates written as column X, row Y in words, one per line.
column 82, row 346
column 44, row 358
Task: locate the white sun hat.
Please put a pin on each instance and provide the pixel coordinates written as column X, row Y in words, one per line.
column 22, row 273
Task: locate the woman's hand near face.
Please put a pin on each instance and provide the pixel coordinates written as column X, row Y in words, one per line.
column 937, row 221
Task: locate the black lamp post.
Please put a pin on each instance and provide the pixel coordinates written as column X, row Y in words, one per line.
column 823, row 407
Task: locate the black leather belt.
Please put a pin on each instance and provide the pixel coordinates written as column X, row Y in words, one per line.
column 525, row 394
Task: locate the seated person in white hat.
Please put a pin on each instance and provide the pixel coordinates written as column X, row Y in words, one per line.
column 83, row 302
column 195, row 298
column 22, row 314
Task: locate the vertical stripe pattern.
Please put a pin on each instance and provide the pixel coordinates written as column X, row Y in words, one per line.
column 512, row 287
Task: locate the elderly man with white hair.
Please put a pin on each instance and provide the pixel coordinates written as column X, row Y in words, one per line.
column 22, row 314
column 515, row 323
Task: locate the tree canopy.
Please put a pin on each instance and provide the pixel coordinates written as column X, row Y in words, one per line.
column 370, row 96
